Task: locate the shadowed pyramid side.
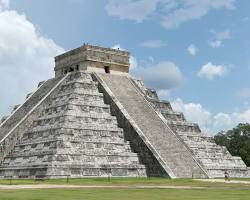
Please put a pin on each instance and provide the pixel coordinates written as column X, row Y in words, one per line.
column 74, row 134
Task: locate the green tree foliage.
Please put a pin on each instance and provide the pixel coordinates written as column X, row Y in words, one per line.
column 237, row 141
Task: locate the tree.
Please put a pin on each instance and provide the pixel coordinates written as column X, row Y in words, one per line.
column 237, row 141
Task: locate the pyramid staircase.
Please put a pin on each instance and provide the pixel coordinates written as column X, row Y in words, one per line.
column 72, row 133
column 170, row 151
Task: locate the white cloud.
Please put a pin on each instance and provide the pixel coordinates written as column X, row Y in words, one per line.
column 210, row 123
column 4, row 4
column 132, row 10
column 192, row 49
column 226, row 121
column 210, row 71
column 162, row 76
column 194, row 113
column 243, row 93
column 133, row 62
column 219, row 38
column 153, row 43
column 187, row 10
column 170, row 13
column 132, row 59
column 26, row 57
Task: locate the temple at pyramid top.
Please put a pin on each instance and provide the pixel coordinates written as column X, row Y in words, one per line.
column 94, row 59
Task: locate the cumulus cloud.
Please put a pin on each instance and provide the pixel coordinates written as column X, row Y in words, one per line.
column 210, row 123
column 193, row 112
column 192, row 49
column 132, row 10
column 219, row 38
column 210, row 71
column 153, row 43
column 162, row 76
column 171, row 13
column 4, row 4
column 132, row 59
column 26, row 57
column 188, row 10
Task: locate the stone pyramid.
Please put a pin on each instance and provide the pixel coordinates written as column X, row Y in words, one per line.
column 94, row 119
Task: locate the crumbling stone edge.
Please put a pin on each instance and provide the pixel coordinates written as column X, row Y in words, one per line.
column 8, row 141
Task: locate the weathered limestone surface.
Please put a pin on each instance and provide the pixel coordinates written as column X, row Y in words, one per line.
column 215, row 159
column 73, row 133
column 177, row 160
column 92, row 58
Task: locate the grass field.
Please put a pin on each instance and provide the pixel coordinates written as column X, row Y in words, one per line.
column 209, row 191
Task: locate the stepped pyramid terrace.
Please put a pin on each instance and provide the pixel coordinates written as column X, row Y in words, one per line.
column 93, row 119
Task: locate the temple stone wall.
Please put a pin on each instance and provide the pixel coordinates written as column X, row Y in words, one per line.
column 90, row 58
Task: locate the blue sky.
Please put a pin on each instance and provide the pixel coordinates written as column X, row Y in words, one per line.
column 195, row 53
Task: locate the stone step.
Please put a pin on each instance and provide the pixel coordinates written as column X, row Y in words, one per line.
column 212, row 154
column 86, row 166
column 191, row 134
column 197, row 144
column 179, row 126
column 49, row 128
column 76, row 171
column 79, row 109
column 91, row 89
column 161, row 105
column 218, row 158
column 173, row 116
column 87, row 134
column 93, row 120
column 72, row 85
column 197, row 139
column 106, row 137
column 80, row 76
column 80, row 81
column 59, row 144
column 225, row 167
column 76, row 126
column 74, row 115
column 74, row 105
column 88, row 157
column 212, row 147
column 90, row 95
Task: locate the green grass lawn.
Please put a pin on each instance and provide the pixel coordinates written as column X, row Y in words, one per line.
column 211, row 191
column 126, row 194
